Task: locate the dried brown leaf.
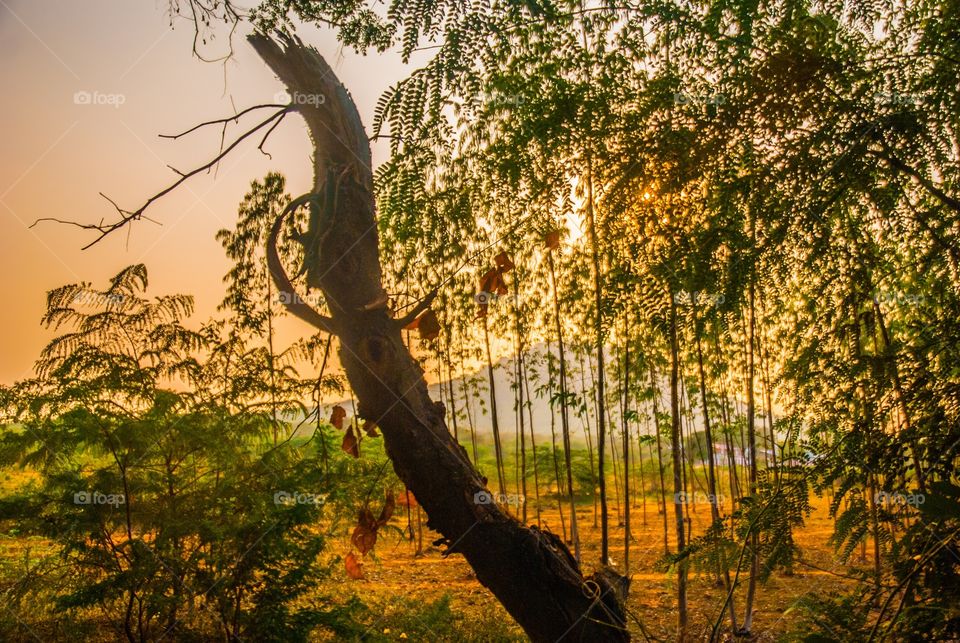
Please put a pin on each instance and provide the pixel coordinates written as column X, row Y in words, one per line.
column 354, row 567
column 337, row 415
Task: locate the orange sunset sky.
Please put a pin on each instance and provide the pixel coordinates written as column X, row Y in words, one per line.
column 58, row 153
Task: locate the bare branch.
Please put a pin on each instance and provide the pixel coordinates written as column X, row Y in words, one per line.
column 203, row 15
column 288, row 295
column 263, row 141
column 126, row 216
column 235, row 118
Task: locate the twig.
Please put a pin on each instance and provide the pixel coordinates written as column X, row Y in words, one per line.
column 230, row 14
column 227, row 119
column 263, row 141
column 126, row 216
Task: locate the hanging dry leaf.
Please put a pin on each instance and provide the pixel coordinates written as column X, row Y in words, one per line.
column 503, row 262
column 364, row 538
column 354, row 567
column 350, row 444
column 387, row 510
column 429, row 325
column 370, row 429
column 492, row 282
column 552, row 240
column 488, row 281
column 365, row 534
column 337, row 415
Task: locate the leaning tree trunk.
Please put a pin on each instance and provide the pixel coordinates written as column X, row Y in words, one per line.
column 529, row 571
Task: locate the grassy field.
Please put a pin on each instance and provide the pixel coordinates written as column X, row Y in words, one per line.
column 399, row 577
column 410, row 591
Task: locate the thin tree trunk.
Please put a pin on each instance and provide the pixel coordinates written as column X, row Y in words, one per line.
column 271, row 358
column 601, row 376
column 728, row 432
column 684, row 457
column 643, row 482
column 678, row 487
column 522, row 429
column 564, row 413
column 585, row 417
column 533, row 446
column 556, row 463
column 751, row 436
column 494, row 419
column 663, row 487
column 626, row 448
column 901, row 397
column 615, row 465
column 767, row 396
column 452, row 394
column 522, row 426
column 468, row 408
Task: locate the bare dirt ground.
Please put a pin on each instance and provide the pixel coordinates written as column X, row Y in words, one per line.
column 398, row 574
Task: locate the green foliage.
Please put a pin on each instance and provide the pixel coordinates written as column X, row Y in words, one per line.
column 779, row 507
column 833, row 618
column 919, row 603
column 157, row 484
column 166, row 477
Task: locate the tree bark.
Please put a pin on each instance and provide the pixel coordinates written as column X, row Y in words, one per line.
column 663, row 488
column 564, row 413
column 529, row 571
column 678, row 485
column 626, row 447
column 494, row 414
column 751, row 427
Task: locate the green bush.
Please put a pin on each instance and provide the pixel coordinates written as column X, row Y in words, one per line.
column 165, row 501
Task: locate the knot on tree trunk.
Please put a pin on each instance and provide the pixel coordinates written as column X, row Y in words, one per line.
column 377, row 354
